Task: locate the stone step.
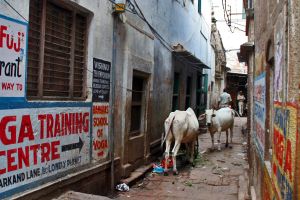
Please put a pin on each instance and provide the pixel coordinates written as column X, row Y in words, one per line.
column 137, row 175
column 72, row 195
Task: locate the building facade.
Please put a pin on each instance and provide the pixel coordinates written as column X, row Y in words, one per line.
column 85, row 90
column 218, row 73
column 273, row 28
column 230, row 19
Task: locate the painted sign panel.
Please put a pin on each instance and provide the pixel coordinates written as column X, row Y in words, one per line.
column 268, row 192
column 279, row 57
column 284, row 147
column 100, row 131
column 259, row 63
column 101, row 80
column 259, row 112
column 38, row 143
column 13, row 51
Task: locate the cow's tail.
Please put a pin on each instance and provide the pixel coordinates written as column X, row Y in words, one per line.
column 235, row 112
column 168, row 125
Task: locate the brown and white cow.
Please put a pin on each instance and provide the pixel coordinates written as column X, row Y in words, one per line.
column 181, row 127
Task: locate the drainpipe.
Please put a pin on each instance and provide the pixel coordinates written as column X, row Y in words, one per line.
column 118, row 8
column 288, row 34
column 112, row 131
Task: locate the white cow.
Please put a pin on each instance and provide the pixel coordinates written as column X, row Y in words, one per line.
column 181, row 127
column 218, row 121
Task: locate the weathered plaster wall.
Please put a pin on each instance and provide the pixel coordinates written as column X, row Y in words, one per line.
column 294, row 82
column 176, row 22
column 42, row 124
column 276, row 121
column 22, row 7
column 218, row 68
column 137, row 49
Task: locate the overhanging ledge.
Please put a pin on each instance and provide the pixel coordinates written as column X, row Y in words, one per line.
column 188, row 58
column 245, row 49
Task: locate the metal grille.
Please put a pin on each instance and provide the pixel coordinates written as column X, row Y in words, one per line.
column 80, row 40
column 56, row 59
column 34, row 47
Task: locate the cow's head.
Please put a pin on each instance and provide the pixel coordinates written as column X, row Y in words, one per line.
column 209, row 114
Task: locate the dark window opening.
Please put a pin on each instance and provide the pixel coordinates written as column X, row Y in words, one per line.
column 175, row 102
column 136, row 105
column 188, row 92
column 201, row 93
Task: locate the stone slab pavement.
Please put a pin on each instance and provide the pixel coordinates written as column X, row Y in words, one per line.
column 216, row 175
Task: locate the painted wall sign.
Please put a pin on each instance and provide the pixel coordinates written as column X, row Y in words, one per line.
column 259, row 62
column 259, row 112
column 279, row 57
column 268, row 192
column 13, row 51
column 100, row 131
column 38, row 143
column 284, row 148
column 101, row 80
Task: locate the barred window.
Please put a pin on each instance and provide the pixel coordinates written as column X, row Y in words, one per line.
column 56, row 52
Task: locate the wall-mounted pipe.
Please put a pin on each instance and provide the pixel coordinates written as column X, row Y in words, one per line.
column 112, row 131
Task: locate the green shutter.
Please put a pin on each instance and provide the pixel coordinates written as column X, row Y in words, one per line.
column 199, row 7
column 175, row 101
column 205, row 86
column 188, row 92
column 201, row 93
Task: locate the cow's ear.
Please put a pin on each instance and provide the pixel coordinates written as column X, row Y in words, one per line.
column 213, row 115
column 201, row 117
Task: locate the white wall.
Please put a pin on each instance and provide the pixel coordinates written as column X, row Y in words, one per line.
column 21, row 6
column 180, row 22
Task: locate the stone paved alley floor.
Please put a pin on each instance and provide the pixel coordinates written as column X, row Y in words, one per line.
column 217, row 175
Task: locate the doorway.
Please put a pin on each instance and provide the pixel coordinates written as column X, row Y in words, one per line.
column 138, row 120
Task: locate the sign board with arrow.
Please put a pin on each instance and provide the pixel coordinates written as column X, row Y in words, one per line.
column 41, row 143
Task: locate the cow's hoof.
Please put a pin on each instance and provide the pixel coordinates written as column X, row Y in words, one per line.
column 166, row 174
column 175, row 173
column 230, row 147
column 226, row 145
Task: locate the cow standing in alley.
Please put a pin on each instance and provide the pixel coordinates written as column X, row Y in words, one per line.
column 218, row 121
column 181, row 127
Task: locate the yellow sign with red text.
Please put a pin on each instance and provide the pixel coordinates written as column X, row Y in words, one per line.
column 284, row 148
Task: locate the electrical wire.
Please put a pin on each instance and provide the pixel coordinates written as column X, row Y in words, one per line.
column 159, row 37
column 15, row 10
column 227, row 18
column 142, row 16
column 235, row 27
column 135, row 9
column 111, row 1
column 238, row 24
column 224, row 11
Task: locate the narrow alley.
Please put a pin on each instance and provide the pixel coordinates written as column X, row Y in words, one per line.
column 216, row 175
column 90, row 91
